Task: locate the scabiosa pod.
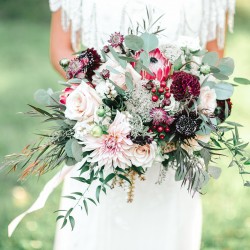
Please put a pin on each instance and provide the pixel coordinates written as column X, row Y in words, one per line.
column 116, row 39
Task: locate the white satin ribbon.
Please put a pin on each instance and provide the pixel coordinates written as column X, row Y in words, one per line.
column 45, row 193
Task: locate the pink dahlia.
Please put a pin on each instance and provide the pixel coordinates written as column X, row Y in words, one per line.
column 116, row 39
column 112, row 149
column 184, row 86
column 66, row 92
column 159, row 65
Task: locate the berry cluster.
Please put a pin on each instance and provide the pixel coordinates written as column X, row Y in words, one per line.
column 158, row 92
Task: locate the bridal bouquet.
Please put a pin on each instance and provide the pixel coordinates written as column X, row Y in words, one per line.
column 135, row 105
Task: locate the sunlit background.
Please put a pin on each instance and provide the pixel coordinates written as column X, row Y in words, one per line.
column 25, row 67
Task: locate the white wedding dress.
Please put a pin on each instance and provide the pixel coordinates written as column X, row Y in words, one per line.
column 161, row 217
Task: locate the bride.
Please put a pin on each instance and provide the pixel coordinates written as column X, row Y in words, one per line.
column 161, row 217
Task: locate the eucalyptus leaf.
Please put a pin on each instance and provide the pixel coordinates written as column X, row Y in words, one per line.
column 76, row 150
column 223, row 90
column 241, row 80
column 220, row 76
column 215, row 172
column 210, row 58
column 226, row 66
column 134, row 42
column 150, row 41
column 145, row 58
column 129, row 81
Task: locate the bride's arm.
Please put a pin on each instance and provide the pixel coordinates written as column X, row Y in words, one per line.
column 213, row 46
column 60, row 43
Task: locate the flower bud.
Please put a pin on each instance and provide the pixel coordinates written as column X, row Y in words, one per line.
column 97, row 131
column 64, row 62
column 205, row 69
column 100, row 112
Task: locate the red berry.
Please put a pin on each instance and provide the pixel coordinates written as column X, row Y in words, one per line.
column 150, row 130
column 163, row 84
column 162, row 136
column 167, row 129
column 167, row 88
column 161, row 90
column 160, row 129
column 155, row 98
column 153, row 90
column 167, row 95
column 154, row 127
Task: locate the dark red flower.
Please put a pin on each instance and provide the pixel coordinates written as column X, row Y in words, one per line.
column 186, row 125
column 222, row 106
column 91, row 60
column 184, row 86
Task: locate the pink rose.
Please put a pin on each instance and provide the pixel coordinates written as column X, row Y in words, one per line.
column 82, row 103
column 207, row 100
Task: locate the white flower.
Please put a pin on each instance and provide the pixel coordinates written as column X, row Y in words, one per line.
column 82, row 129
column 207, row 100
column 143, row 156
column 106, row 90
column 82, row 103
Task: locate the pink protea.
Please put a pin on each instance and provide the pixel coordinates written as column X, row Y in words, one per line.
column 112, row 149
column 66, row 92
column 159, row 65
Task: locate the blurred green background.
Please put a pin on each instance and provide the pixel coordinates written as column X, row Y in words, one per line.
column 25, row 67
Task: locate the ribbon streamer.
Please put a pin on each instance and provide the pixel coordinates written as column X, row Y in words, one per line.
column 42, row 198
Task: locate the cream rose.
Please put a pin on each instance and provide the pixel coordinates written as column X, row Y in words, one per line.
column 207, row 100
column 143, row 156
column 82, row 103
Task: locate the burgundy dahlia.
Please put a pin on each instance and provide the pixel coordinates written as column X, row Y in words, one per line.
column 220, row 110
column 116, row 39
column 184, row 86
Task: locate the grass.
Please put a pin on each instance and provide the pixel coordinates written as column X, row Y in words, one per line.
column 25, row 68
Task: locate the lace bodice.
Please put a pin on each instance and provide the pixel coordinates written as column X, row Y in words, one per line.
column 94, row 20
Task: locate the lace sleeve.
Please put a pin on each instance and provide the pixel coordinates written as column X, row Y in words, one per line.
column 71, row 17
column 55, row 4
column 215, row 15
